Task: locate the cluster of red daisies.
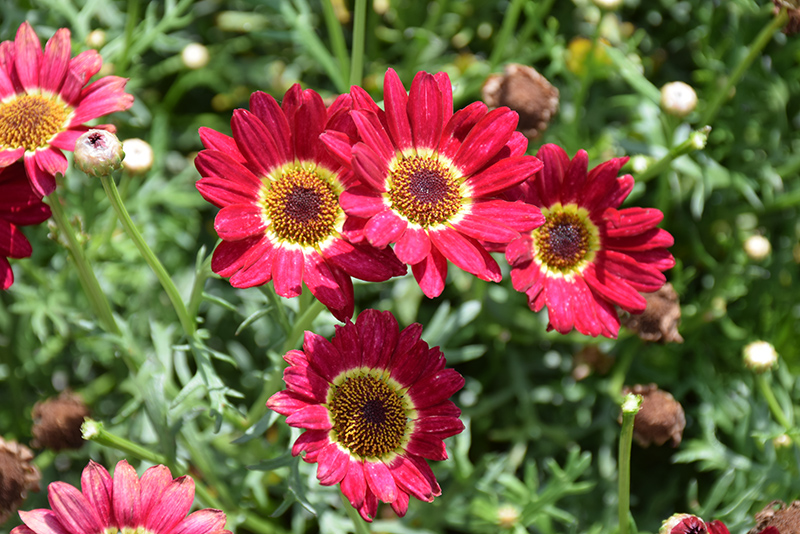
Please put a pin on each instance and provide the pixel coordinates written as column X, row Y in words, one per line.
column 44, row 104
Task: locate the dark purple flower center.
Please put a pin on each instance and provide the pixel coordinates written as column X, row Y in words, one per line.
column 369, row 417
column 562, row 241
column 424, row 191
column 301, row 206
column 30, row 121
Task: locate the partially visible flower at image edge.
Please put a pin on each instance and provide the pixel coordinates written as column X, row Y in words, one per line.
column 588, row 256
column 431, row 179
column 45, row 102
column 278, row 191
column 19, row 206
column 374, row 403
column 154, row 504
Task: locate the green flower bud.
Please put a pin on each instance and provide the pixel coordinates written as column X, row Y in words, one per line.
column 98, row 153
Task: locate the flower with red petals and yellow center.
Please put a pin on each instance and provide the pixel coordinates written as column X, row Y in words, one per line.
column 45, row 102
column 374, row 403
column 588, row 256
column 278, row 191
column 431, row 179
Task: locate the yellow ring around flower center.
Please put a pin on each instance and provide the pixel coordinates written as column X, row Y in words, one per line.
column 31, row 121
column 568, row 240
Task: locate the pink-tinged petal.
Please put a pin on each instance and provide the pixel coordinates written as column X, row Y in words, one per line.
column 520, row 216
column 51, row 160
column 362, row 202
column 240, row 221
column 257, row 267
column 65, row 140
column 410, row 361
column 332, row 465
column 410, row 480
column 413, row 246
column 458, row 127
column 436, row 387
column 346, row 283
column 313, row 417
column 529, row 279
column 431, row 273
column 348, row 344
column 97, row 488
column 378, row 332
column 641, row 277
column 400, row 504
column 322, row 283
column 519, row 252
column 660, row 258
column 362, row 101
column 384, row 228
column 230, row 256
column 503, row 175
column 339, row 147
column 33, row 214
column 215, row 164
column 648, row 240
column 369, row 167
column 363, row 261
column 631, row 221
column 446, row 89
column 614, row 289
column 175, row 503
column 323, row 357
column 201, row 522
column 22, row 529
column 255, row 143
column 439, row 426
column 561, row 308
column 587, row 320
column 395, row 100
column 485, row 140
column 427, row 472
column 6, row 85
column 466, row 253
column 72, row 508
column 270, row 113
column 81, row 68
column 43, row 182
column 215, row 140
column 603, row 186
column 718, row 527
column 42, row 521
column 306, row 383
column 548, row 184
column 311, row 442
column 29, row 57
column 354, row 485
column 126, row 496
column 427, row 447
column 574, row 180
column 373, row 134
column 380, row 481
column 286, row 403
column 425, row 114
column 443, row 409
column 369, row 509
column 287, row 271
column 484, row 229
column 106, row 95
column 8, row 157
column 307, row 123
column 12, row 243
column 154, row 483
column 56, row 60
column 606, row 313
column 221, row 192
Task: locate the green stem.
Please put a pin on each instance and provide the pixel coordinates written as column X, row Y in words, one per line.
column 302, row 324
column 361, row 526
column 509, row 23
column 188, row 324
column 95, row 431
column 359, row 29
column 696, row 141
column 97, row 298
column 630, row 406
column 755, row 49
column 772, row 401
column 132, row 18
column 336, row 36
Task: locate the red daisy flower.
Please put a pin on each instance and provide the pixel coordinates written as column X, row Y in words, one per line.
column 374, row 403
column 430, row 178
column 279, row 193
column 44, row 102
column 19, row 206
column 588, row 256
column 685, row 524
column 154, row 504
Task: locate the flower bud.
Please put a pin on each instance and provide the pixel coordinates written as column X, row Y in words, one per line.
column 98, row 153
column 610, row 5
column 760, row 356
column 195, row 56
column 678, row 98
column 757, row 247
column 508, row 516
column 96, row 39
column 781, row 442
column 18, row 476
column 138, row 156
column 683, row 524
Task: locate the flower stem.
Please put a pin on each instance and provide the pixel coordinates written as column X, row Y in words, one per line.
column 97, row 298
column 696, row 141
column 301, row 324
column 92, row 430
column 336, row 36
column 509, row 23
column 755, row 49
column 772, row 401
column 188, row 324
column 361, row 526
column 357, row 53
column 630, row 406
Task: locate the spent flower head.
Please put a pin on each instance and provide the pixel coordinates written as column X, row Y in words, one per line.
column 98, row 153
column 18, row 476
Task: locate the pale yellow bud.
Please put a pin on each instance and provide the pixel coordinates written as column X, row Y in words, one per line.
column 760, row 356
column 757, row 247
column 678, row 98
column 138, row 156
column 195, row 56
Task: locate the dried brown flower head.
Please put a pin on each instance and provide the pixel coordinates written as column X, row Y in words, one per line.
column 786, row 518
column 57, row 422
column 17, row 477
column 793, row 10
column 525, row 91
column 661, row 417
column 661, row 317
column 588, row 360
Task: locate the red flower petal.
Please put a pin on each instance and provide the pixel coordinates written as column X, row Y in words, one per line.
column 104, row 96
column 466, row 253
column 287, row 271
column 354, row 485
column 431, row 273
column 380, row 481
column 43, row 182
column 395, row 101
column 41, row 522
column 413, row 246
column 425, row 113
column 240, row 221
column 175, row 503
column 272, row 116
column 313, row 417
column 485, row 140
column 201, row 522
column 215, row 140
column 384, row 228
column 326, row 359
column 255, row 143
column 56, row 60
column 503, row 175
column 311, row 442
column 12, row 243
column 126, row 496
column 458, row 127
column 286, row 402
column 72, row 508
column 378, row 333
column 332, row 465
column 97, row 487
column 28, row 57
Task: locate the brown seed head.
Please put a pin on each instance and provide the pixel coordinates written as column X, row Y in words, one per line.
column 786, row 518
column 57, row 422
column 661, row 317
column 793, row 10
column 661, row 417
column 17, row 477
column 525, row 91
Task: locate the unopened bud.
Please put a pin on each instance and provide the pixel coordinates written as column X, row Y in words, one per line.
column 781, row 442
column 757, row 247
column 138, row 156
column 760, row 356
column 683, row 524
column 507, row 516
column 610, row 5
column 96, row 39
column 195, row 56
column 678, row 98
column 98, row 153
